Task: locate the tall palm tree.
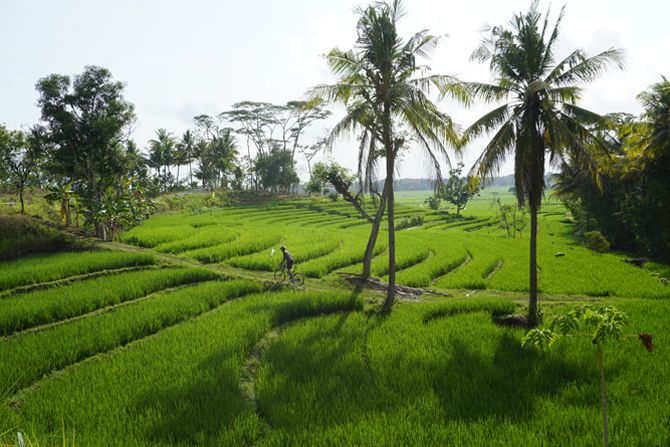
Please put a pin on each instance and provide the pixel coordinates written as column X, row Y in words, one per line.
column 380, row 77
column 541, row 116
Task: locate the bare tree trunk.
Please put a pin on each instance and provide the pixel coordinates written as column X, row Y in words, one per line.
column 23, row 207
column 390, row 295
column 532, row 303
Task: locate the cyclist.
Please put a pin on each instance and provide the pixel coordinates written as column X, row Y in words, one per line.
column 288, row 261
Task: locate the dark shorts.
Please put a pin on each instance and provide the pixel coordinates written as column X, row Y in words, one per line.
column 289, row 263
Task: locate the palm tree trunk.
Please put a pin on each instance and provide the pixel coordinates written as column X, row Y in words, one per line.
column 532, row 303
column 190, row 174
column 390, row 294
column 376, row 224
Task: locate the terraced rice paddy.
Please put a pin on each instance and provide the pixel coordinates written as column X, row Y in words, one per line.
column 192, row 348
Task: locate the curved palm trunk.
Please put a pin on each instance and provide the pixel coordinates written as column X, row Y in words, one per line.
column 532, row 302
column 376, row 224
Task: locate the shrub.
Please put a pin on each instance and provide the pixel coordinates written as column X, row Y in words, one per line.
column 408, row 222
column 595, row 241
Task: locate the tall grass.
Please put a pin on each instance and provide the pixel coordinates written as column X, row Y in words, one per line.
column 43, row 268
column 182, row 384
column 152, row 236
column 414, row 379
column 302, row 247
column 28, row 356
column 252, row 242
column 203, row 237
column 45, row 306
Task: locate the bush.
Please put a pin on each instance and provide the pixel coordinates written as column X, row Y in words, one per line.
column 595, row 241
column 408, row 222
column 433, row 202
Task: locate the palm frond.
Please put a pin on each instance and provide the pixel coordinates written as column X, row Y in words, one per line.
column 487, row 123
column 588, row 69
column 496, row 151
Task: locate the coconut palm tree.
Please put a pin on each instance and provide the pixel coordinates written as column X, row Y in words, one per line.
column 540, row 116
column 162, row 152
column 187, row 149
column 381, row 80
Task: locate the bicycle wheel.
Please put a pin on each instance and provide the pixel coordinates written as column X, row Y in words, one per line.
column 280, row 275
column 298, row 279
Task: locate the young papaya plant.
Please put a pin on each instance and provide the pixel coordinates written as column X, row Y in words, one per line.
column 602, row 324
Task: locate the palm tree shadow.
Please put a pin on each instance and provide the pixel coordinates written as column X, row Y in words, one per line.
column 473, row 387
column 205, row 411
column 212, row 408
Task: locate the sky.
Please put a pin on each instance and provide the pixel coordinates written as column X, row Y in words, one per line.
column 180, row 59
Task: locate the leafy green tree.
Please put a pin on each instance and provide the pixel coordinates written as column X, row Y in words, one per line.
column 381, row 80
column 276, row 171
column 630, row 203
column 541, row 117
column 458, row 190
column 85, row 124
column 20, row 159
column 341, row 179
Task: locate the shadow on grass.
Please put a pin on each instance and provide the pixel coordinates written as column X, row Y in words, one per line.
column 472, row 387
column 212, row 410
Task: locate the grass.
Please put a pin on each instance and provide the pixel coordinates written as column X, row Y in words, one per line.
column 455, row 380
column 122, row 359
column 42, row 268
column 30, row 355
column 21, row 235
column 167, row 380
column 26, row 310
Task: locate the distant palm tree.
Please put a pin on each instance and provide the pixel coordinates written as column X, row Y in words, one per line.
column 162, row 151
column 187, row 152
column 224, row 148
column 382, row 80
column 541, row 117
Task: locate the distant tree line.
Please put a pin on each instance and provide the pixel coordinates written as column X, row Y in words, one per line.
column 252, row 146
column 82, row 154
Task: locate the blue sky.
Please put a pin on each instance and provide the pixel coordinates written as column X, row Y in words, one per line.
column 183, row 58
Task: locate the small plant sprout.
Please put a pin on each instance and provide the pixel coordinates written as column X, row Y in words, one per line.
column 600, row 323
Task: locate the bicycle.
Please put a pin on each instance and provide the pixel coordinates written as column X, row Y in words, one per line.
column 295, row 278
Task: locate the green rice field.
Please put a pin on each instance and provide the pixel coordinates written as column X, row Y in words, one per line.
column 178, row 335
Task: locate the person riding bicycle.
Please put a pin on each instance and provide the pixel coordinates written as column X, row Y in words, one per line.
column 287, row 261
